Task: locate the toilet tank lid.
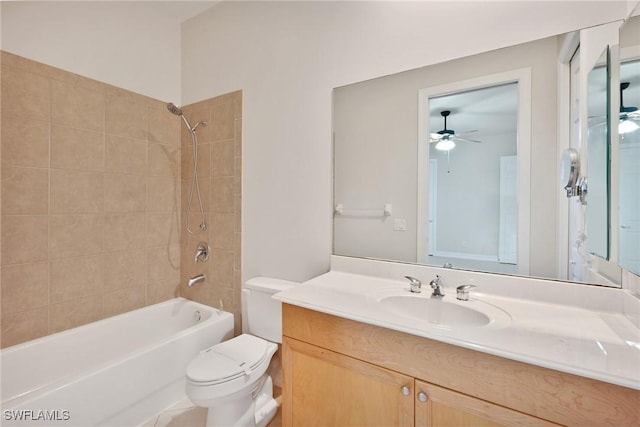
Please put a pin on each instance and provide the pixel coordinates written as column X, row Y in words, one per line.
column 268, row 284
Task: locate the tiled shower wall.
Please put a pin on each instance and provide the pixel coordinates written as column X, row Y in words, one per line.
column 90, row 200
column 219, row 172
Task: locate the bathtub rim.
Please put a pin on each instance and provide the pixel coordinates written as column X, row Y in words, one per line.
column 76, row 376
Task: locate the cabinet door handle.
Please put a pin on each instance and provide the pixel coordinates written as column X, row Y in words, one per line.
column 405, row 390
column 422, row 396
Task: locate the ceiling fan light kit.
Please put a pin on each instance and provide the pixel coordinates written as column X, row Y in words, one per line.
column 444, row 138
column 445, row 144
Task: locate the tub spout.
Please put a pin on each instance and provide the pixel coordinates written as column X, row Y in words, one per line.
column 196, row 279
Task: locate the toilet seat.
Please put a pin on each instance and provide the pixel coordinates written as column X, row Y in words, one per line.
column 240, row 357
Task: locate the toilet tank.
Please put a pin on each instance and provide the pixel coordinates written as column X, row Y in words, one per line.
column 261, row 314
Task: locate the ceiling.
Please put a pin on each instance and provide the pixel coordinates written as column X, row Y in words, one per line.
column 184, row 10
column 492, row 110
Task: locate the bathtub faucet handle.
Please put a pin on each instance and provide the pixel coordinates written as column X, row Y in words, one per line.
column 202, row 252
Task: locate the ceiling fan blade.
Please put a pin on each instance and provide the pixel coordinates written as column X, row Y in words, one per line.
column 469, row 131
column 457, row 138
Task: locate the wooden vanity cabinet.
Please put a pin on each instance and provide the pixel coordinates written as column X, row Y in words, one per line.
column 439, row 407
column 339, row 372
column 325, row 388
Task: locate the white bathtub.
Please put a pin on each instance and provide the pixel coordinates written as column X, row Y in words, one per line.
column 118, row 371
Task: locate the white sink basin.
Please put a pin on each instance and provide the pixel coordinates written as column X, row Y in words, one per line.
column 444, row 312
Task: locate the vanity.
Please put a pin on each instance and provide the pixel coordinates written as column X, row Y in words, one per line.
column 510, row 172
column 350, row 358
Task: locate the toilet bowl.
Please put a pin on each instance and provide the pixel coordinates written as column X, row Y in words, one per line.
column 231, row 378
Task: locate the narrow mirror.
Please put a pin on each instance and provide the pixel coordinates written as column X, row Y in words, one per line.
column 629, row 147
column 597, row 211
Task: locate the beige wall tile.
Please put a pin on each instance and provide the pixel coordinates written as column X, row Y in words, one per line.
column 124, row 269
column 205, row 190
column 164, row 127
column 222, row 267
column 124, row 231
column 222, row 195
column 25, row 287
column 194, row 268
column 132, row 97
column 92, row 85
column 125, row 155
column 163, row 265
column 74, row 263
column 158, row 292
column 237, row 177
column 73, row 278
column 207, row 103
column 75, row 235
column 25, row 96
column 195, row 115
column 237, row 252
column 195, row 219
column 123, row 300
column 77, row 107
column 130, row 275
column 126, row 118
column 222, row 294
column 163, row 195
column 25, row 143
column 45, row 70
column 77, row 149
column 234, row 98
column 163, row 160
column 25, row 191
column 8, row 59
column 200, row 293
column 77, row 312
column 237, row 140
column 237, row 203
column 221, row 231
column 222, row 158
column 24, row 238
column 124, row 193
column 204, row 161
column 222, row 122
column 163, row 229
column 76, row 191
column 24, row 326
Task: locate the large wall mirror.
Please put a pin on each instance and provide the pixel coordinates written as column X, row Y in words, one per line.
column 457, row 165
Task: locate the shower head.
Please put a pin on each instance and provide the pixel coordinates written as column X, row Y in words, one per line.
column 173, row 108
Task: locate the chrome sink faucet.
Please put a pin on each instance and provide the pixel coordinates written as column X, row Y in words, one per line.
column 437, row 288
column 415, row 285
column 462, row 292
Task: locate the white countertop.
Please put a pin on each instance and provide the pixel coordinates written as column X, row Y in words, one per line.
column 599, row 344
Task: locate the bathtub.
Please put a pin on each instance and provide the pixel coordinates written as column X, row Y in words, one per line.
column 118, row 371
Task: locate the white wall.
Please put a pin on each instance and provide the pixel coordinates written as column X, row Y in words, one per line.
column 132, row 45
column 288, row 56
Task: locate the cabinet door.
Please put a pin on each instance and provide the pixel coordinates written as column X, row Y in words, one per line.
column 440, row 407
column 323, row 388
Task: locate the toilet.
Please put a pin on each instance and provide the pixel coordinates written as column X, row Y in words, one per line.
column 230, row 378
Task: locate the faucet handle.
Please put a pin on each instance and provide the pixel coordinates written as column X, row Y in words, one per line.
column 202, row 252
column 415, row 285
column 462, row 292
